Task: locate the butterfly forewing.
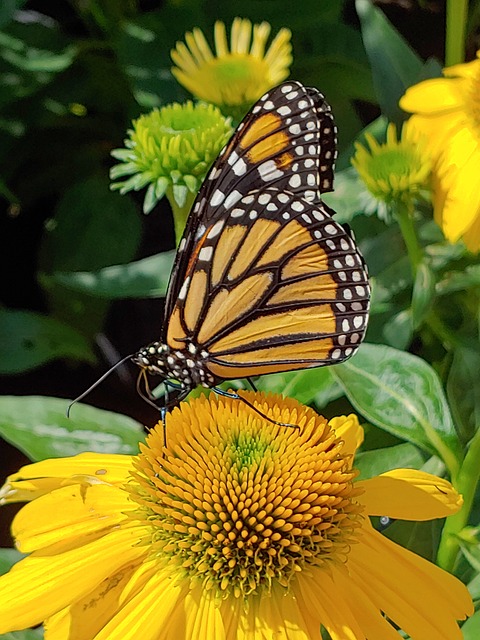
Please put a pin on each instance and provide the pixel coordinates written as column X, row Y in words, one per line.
column 286, row 141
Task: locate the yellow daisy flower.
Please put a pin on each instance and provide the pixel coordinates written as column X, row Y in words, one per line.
column 234, row 77
column 447, row 113
column 396, row 171
column 238, row 528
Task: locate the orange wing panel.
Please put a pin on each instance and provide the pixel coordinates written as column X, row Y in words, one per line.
column 321, row 287
column 308, row 320
column 226, row 247
column 309, row 260
column 195, row 298
column 290, row 237
column 258, row 235
column 226, row 306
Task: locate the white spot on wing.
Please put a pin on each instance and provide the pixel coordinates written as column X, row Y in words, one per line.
column 268, row 171
column 240, row 167
column 183, row 291
column 217, row 198
column 215, row 230
column 232, row 198
column 205, row 254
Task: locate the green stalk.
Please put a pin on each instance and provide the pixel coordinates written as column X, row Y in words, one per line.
column 457, row 13
column 180, row 213
column 414, row 250
column 466, row 484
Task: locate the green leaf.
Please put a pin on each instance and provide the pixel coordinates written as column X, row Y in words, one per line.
column 310, row 385
column 147, row 278
column 460, row 280
column 398, row 330
column 474, row 588
column 143, row 49
column 471, row 628
column 93, row 228
column 34, row 339
column 26, row 634
column 8, row 557
column 38, row 426
column 420, row 537
column 402, row 394
column 8, row 9
column 402, row 456
column 394, row 64
column 346, row 199
column 463, row 390
column 423, row 294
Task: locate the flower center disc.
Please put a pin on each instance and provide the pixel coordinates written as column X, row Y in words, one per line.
column 239, row 502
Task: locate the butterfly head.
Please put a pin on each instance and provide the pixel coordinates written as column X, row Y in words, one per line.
column 186, row 366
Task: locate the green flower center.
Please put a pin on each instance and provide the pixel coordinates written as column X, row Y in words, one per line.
column 395, row 171
column 171, row 149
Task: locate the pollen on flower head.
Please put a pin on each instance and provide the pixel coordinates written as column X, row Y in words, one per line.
column 397, row 170
column 240, row 503
column 170, row 148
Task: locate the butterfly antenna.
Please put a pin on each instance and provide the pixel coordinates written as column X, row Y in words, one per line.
column 97, row 382
column 148, row 397
column 237, row 396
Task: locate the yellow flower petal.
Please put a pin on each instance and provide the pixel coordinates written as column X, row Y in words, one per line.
column 399, row 580
column 276, row 616
column 220, row 35
column 197, row 617
column 464, row 70
column 39, row 478
column 238, row 74
column 146, row 615
column 409, row 494
column 86, row 510
column 374, row 625
column 41, row 585
column 260, row 37
column 320, row 594
column 348, row 429
column 432, row 97
column 460, row 207
column 447, row 113
column 100, row 603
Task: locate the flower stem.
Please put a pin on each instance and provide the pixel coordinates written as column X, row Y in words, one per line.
column 180, row 213
column 466, row 484
column 405, row 221
column 457, row 11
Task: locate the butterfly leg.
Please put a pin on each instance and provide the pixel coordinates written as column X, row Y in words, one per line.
column 236, row 396
column 252, row 384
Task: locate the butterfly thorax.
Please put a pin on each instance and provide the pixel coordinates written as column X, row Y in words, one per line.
column 188, row 365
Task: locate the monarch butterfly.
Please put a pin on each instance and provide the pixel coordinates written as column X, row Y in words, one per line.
column 264, row 280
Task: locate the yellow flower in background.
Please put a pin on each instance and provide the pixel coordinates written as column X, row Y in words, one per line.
column 235, row 76
column 447, row 112
column 395, row 171
column 239, row 528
